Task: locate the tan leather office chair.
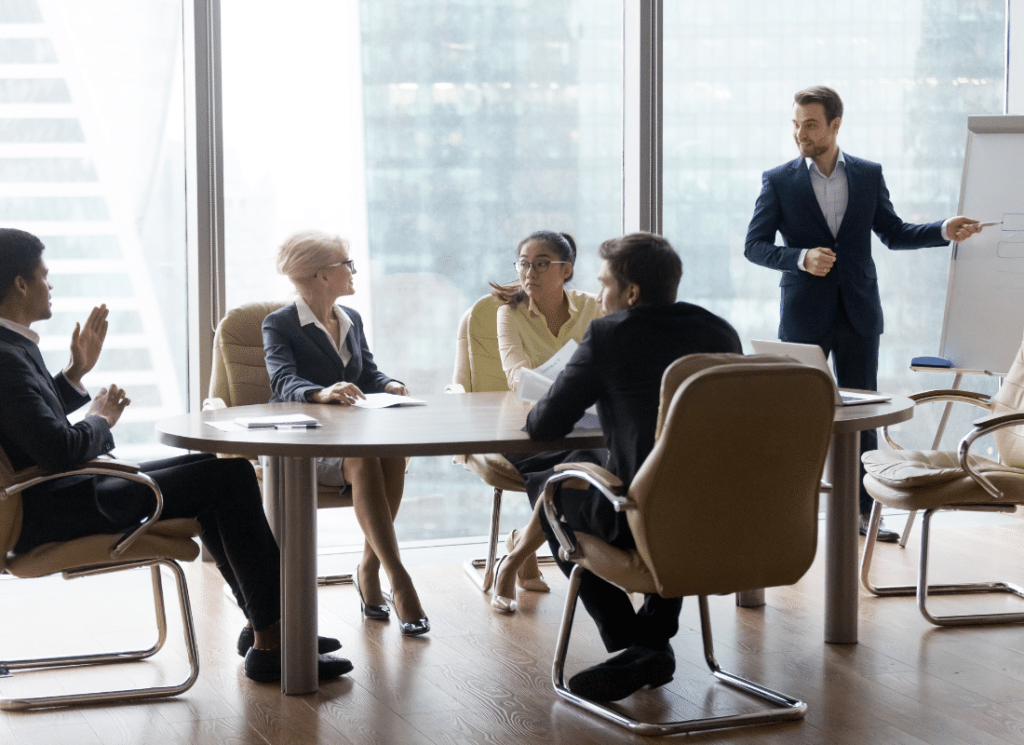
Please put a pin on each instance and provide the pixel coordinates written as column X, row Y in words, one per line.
column 151, row 544
column 933, row 480
column 239, row 378
column 478, row 368
column 710, row 519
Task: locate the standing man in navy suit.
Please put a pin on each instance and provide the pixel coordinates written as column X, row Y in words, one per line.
column 826, row 204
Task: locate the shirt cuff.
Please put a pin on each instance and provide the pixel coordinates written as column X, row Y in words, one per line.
column 945, row 231
column 77, row 386
column 800, row 259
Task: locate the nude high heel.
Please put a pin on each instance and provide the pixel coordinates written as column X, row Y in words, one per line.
column 535, row 581
column 500, row 602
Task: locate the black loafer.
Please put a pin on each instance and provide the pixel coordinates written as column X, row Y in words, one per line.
column 626, row 673
column 324, row 644
column 884, row 534
column 264, row 666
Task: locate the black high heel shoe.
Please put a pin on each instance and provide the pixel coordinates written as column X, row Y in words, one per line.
column 374, row 612
column 411, row 628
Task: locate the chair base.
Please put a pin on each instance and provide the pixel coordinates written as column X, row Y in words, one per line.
column 785, row 708
column 333, row 579
column 922, row 589
column 130, row 694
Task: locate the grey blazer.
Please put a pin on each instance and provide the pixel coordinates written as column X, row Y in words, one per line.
column 301, row 359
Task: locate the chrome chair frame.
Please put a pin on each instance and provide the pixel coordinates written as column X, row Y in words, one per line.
column 108, row 467
column 785, row 707
column 949, row 396
column 982, row 427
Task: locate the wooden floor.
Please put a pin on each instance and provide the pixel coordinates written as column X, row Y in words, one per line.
column 483, row 678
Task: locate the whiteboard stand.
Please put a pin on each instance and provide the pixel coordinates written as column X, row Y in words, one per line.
column 958, row 377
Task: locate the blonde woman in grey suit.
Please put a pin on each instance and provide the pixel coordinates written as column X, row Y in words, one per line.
column 316, row 351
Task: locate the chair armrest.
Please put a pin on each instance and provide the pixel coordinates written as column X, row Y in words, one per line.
column 455, row 388
column 213, row 404
column 948, row 395
column 102, row 466
column 985, row 426
column 599, row 475
column 604, row 481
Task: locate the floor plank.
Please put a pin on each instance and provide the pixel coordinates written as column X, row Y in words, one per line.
column 483, row 677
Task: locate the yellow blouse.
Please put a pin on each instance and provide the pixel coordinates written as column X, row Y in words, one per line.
column 524, row 339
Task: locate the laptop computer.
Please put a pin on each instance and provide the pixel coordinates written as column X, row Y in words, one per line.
column 811, row 354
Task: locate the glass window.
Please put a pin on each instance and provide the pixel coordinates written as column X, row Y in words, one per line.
column 92, row 161
column 434, row 136
column 909, row 75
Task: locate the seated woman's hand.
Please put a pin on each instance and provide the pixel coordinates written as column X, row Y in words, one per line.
column 396, row 388
column 339, row 393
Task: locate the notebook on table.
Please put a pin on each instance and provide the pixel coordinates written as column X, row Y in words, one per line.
column 811, row 354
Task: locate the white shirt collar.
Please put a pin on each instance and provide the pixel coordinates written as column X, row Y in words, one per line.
column 813, row 167
column 17, row 328
column 307, row 316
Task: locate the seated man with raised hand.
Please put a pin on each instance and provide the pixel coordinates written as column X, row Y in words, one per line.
column 619, row 366
column 222, row 494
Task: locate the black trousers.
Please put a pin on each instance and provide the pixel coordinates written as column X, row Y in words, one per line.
column 620, row 626
column 855, row 360
column 221, row 493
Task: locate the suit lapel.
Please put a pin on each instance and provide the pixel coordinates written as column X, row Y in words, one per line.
column 32, row 350
column 854, row 203
column 352, row 342
column 319, row 338
column 805, row 194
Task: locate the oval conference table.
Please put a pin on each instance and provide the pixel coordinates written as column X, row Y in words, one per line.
column 449, row 424
column 455, row 424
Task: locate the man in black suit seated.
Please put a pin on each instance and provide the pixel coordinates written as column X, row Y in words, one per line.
column 222, row 494
column 619, row 366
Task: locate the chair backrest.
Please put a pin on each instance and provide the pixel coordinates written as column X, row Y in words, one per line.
column 1008, row 399
column 239, row 375
column 728, row 498
column 477, row 360
column 10, row 511
column 677, row 373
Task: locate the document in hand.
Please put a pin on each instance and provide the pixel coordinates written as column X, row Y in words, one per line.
column 533, row 384
column 386, row 400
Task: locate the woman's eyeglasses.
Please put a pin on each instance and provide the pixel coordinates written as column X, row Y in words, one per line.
column 540, row 266
column 350, row 263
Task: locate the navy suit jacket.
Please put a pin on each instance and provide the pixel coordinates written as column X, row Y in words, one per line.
column 302, row 359
column 619, row 365
column 34, row 430
column 787, row 205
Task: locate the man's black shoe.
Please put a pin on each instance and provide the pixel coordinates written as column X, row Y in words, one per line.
column 884, row 534
column 264, row 666
column 324, row 644
column 625, row 673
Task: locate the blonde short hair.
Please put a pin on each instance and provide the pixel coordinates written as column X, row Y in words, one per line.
column 303, row 254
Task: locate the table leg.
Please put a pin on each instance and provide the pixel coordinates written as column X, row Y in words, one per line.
column 292, row 493
column 841, row 540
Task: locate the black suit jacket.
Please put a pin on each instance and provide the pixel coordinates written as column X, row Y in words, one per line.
column 34, row 430
column 787, row 205
column 619, row 366
column 301, row 358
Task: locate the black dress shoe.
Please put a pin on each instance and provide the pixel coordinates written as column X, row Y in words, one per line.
column 264, row 666
column 626, row 673
column 247, row 638
column 884, row 534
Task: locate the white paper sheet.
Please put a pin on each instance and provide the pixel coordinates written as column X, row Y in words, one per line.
column 386, row 400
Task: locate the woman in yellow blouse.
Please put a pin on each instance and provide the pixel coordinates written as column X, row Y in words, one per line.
column 539, row 316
